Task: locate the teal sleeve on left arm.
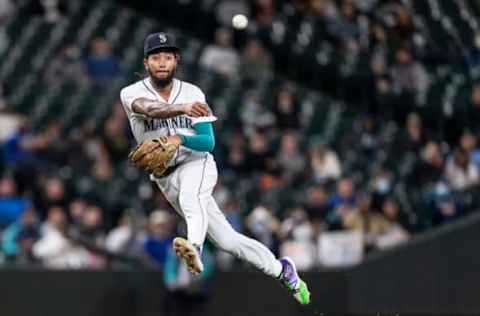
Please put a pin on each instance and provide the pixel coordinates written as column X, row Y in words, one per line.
column 204, row 140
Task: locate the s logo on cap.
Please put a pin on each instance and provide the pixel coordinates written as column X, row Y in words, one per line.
column 163, row 38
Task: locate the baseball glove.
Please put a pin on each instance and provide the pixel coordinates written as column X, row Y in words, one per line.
column 153, row 155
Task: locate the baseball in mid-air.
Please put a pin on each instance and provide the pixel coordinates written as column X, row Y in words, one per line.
column 240, row 21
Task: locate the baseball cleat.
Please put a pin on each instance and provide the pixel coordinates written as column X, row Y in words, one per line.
column 190, row 255
column 291, row 281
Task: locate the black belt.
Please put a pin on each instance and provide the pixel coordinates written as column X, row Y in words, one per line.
column 169, row 171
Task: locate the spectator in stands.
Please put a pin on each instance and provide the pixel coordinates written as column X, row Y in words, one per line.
column 258, row 152
column 254, row 114
column 114, row 137
column 395, row 232
column 102, row 66
column 256, row 63
column 96, row 150
column 412, row 138
column 289, row 157
column 221, row 57
column 381, row 230
column 342, row 202
column 53, row 248
column 52, row 193
column 403, row 29
column 91, row 228
column 237, row 155
column 461, row 172
column 18, row 238
column 160, row 236
column 316, row 203
column 76, row 210
column 345, row 28
column 444, row 209
column 263, row 225
column 297, row 235
column 12, row 205
column 66, row 67
column 121, row 237
column 324, row 163
column 468, row 142
column 408, row 74
column 430, row 169
column 287, row 109
column 265, row 12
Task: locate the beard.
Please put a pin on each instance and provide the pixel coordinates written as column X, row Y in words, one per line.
column 161, row 82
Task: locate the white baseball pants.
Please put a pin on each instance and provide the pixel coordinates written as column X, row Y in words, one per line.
column 189, row 190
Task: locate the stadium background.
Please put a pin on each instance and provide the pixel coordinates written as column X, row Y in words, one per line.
column 347, row 140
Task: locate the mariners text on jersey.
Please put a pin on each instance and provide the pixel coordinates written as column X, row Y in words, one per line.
column 175, row 122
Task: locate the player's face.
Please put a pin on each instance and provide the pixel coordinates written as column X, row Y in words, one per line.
column 161, row 67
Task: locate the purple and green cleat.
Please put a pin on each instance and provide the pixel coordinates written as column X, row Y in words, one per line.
column 291, row 281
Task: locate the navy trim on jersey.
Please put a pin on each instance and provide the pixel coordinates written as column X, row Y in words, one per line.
column 148, row 88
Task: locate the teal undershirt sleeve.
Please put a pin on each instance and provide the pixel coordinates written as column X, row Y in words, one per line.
column 204, row 140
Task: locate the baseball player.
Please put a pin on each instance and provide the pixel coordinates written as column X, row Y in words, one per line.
column 173, row 126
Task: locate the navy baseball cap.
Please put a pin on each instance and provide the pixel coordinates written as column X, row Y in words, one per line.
column 159, row 40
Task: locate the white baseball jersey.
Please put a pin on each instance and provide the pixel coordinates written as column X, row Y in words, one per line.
column 146, row 128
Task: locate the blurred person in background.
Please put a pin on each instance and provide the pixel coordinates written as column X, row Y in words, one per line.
column 19, row 237
column 443, row 206
column 76, row 210
column 263, row 225
column 408, row 74
column 413, row 137
column 289, row 157
column 324, row 163
column 67, row 66
column 342, row 202
column 221, row 57
column 316, row 204
column 114, row 136
column 121, row 237
column 52, row 193
column 461, row 172
column 380, row 229
column 259, row 151
column 256, row 62
column 254, row 114
column 96, row 151
column 101, row 65
column 430, row 169
column 287, row 109
column 344, row 27
column 12, row 204
column 161, row 229
column 236, row 160
column 468, row 142
column 297, row 239
column 53, row 248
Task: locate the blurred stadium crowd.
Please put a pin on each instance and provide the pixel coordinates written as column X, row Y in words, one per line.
column 335, row 116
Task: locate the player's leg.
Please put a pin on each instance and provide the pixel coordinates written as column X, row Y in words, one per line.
column 222, row 234
column 194, row 186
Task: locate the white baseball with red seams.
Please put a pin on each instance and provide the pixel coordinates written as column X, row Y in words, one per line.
column 189, row 188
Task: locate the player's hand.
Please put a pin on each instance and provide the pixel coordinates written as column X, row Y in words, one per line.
column 175, row 140
column 196, row 109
